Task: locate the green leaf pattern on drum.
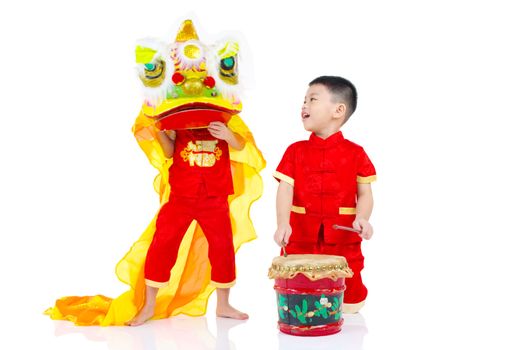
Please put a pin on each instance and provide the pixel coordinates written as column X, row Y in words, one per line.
column 310, row 309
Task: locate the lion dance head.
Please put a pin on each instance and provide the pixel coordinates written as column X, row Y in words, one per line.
column 188, row 84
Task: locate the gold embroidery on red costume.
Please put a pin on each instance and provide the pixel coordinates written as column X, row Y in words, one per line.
column 203, row 153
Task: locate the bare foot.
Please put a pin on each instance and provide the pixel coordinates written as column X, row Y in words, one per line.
column 228, row 311
column 143, row 316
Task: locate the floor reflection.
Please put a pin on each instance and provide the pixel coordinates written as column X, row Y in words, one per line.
column 350, row 338
column 194, row 333
column 173, row 333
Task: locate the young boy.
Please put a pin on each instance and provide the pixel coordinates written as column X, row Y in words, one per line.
column 198, row 191
column 208, row 167
column 324, row 182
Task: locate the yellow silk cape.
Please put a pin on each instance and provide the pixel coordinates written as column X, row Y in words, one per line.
column 189, row 289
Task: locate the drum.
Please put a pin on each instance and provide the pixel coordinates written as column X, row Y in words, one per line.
column 309, row 291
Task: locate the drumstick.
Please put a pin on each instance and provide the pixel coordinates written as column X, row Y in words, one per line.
column 346, row 228
column 283, row 245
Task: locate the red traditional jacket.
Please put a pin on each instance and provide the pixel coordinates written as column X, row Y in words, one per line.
column 324, row 174
column 199, row 158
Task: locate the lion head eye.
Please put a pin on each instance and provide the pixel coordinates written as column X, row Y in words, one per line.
column 149, row 67
column 228, row 70
column 153, row 73
column 227, row 63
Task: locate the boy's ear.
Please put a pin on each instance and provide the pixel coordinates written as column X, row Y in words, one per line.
column 340, row 110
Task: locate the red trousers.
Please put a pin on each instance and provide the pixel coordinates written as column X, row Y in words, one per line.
column 356, row 291
column 212, row 214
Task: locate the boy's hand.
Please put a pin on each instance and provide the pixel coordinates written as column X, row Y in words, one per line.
column 170, row 133
column 282, row 235
column 220, row 131
column 364, row 226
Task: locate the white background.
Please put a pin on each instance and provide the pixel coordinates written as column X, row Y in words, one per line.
column 442, row 108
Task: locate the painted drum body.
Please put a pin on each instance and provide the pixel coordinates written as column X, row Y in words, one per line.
column 309, row 291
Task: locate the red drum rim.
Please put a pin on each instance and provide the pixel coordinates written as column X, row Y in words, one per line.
column 329, row 291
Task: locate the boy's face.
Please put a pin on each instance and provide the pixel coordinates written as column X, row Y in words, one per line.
column 318, row 110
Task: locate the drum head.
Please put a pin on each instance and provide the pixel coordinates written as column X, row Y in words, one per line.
column 313, row 266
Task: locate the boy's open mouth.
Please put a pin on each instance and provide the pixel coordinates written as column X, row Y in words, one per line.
column 305, row 115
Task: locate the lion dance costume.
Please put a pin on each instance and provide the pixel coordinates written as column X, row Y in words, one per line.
column 187, row 85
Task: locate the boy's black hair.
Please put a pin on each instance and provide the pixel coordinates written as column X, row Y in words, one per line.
column 341, row 89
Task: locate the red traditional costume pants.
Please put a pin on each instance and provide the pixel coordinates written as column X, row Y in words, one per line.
column 212, row 214
column 356, row 291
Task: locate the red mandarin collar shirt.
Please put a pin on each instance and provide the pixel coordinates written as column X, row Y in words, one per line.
column 324, row 174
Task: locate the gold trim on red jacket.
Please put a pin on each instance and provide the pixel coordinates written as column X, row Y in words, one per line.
column 347, row 211
column 342, row 210
column 366, row 180
column 281, row 176
column 298, row 210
